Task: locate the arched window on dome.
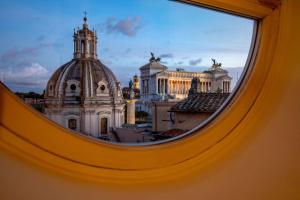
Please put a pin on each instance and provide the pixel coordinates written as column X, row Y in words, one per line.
column 102, row 89
column 87, row 47
column 72, row 88
column 51, row 89
column 82, row 47
column 74, row 46
column 91, row 47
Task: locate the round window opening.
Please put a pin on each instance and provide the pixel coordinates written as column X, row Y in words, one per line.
column 73, row 87
column 166, row 77
column 102, row 87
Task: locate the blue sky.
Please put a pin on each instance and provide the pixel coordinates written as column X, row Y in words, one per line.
column 36, row 37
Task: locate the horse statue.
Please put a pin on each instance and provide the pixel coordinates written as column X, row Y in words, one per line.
column 152, row 59
column 216, row 65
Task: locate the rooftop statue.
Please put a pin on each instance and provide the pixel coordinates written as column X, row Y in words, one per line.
column 152, row 59
column 216, row 66
column 130, row 84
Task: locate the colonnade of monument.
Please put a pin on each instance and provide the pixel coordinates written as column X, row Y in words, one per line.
column 226, row 86
column 166, row 86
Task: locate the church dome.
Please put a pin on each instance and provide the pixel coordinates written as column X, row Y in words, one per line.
column 84, row 95
column 84, row 79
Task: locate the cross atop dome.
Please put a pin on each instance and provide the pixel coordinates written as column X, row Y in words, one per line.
column 85, row 25
column 85, row 18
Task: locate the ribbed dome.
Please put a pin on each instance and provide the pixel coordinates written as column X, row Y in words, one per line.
column 83, row 94
column 83, row 80
column 87, row 78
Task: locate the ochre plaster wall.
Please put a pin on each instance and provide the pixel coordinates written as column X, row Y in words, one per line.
column 161, row 116
column 259, row 159
column 189, row 120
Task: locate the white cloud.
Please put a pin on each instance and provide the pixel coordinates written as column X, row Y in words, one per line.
column 195, row 62
column 128, row 26
column 32, row 74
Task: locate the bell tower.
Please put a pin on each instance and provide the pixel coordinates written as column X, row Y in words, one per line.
column 85, row 42
column 136, row 82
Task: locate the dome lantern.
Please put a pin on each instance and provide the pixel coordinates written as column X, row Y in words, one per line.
column 85, row 42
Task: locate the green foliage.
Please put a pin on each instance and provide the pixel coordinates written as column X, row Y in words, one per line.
column 30, row 95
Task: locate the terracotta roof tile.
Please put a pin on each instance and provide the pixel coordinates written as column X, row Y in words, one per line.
column 201, row 102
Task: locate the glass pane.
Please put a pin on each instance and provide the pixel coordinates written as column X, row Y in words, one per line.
column 124, row 71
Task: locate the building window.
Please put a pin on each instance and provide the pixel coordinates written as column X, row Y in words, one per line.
column 73, row 87
column 104, row 126
column 102, row 88
column 82, row 49
column 147, row 86
column 72, row 124
column 143, row 86
column 91, row 47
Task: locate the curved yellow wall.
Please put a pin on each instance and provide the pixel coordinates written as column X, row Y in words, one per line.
column 251, row 151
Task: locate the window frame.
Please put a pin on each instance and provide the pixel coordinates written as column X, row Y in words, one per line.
column 85, row 158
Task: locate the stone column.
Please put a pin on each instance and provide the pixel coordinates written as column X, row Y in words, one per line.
column 77, row 46
column 147, row 88
column 187, row 87
column 157, row 85
column 180, row 83
column 162, row 86
column 227, row 86
column 167, row 86
column 200, row 83
column 173, row 85
column 95, row 48
column 74, row 47
column 131, row 111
